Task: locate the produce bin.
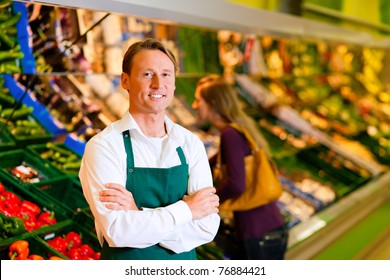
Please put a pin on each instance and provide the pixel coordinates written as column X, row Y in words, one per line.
column 22, row 141
column 294, row 169
column 58, row 156
column 32, row 169
column 86, row 219
column 25, row 195
column 6, row 143
column 36, row 245
column 64, row 192
column 334, row 166
column 86, row 236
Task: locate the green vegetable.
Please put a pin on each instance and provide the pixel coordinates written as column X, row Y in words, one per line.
column 4, row 55
column 5, row 98
column 3, row 16
column 72, row 165
column 27, row 123
column 13, row 226
column 11, row 21
column 5, row 3
column 9, row 67
column 7, row 39
column 20, row 113
column 58, row 149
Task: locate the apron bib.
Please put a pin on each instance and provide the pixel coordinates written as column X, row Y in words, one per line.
column 152, row 188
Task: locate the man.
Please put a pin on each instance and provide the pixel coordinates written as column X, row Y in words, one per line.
column 168, row 206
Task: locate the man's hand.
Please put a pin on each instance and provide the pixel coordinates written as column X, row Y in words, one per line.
column 202, row 203
column 118, row 196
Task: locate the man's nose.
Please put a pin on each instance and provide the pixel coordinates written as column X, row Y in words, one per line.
column 156, row 82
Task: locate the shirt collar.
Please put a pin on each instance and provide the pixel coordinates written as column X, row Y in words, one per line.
column 128, row 123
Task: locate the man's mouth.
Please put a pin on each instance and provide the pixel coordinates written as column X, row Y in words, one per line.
column 157, row 96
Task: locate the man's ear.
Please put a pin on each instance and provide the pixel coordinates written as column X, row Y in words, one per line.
column 125, row 81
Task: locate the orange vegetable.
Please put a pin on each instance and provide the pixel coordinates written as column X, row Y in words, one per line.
column 55, row 258
column 35, row 257
column 19, row 250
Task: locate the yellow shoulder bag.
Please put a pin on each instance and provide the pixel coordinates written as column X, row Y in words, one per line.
column 262, row 184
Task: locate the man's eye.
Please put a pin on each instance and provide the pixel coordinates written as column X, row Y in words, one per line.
column 148, row 74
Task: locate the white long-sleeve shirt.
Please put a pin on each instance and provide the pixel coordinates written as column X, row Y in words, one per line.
column 172, row 227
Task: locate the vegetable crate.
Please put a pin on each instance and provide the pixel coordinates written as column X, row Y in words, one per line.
column 64, row 192
column 72, row 235
column 337, row 167
column 29, row 131
column 59, row 156
column 36, row 247
column 86, row 219
column 6, row 143
column 25, row 214
column 23, row 167
column 296, row 170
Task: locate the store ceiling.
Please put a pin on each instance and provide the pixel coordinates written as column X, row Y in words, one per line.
column 219, row 14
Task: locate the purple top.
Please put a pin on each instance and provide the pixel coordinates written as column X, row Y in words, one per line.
column 255, row 222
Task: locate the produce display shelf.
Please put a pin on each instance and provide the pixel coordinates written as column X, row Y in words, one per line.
column 60, row 215
column 40, row 112
column 64, row 192
column 40, row 172
column 36, row 245
column 58, row 156
column 6, row 142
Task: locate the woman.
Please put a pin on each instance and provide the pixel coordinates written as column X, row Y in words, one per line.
column 260, row 230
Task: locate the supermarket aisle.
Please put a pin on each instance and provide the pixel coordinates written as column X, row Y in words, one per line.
column 379, row 249
column 368, row 240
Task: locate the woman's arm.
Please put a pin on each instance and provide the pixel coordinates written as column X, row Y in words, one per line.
column 234, row 147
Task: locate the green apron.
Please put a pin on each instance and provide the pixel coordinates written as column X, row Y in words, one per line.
column 152, row 188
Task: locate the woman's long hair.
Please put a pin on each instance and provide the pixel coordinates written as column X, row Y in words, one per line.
column 223, row 99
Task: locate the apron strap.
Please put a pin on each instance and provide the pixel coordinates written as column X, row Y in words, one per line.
column 130, row 155
column 181, row 155
column 128, row 148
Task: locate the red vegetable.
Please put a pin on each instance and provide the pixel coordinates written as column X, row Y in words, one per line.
column 25, row 214
column 10, row 197
column 47, row 218
column 30, row 225
column 31, row 207
column 73, row 239
column 74, row 254
column 96, row 256
column 58, row 243
column 5, row 210
column 86, row 250
column 2, row 188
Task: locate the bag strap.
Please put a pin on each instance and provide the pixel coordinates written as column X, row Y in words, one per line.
column 252, row 143
column 254, row 146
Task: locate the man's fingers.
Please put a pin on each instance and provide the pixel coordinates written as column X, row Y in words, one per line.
column 114, row 186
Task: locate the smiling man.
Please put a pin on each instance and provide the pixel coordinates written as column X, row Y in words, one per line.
column 147, row 180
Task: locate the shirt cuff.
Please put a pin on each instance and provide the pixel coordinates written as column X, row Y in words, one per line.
column 180, row 212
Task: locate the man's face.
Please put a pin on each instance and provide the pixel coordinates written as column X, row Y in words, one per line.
column 151, row 82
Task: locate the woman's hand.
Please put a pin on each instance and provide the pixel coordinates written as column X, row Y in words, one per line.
column 118, row 196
